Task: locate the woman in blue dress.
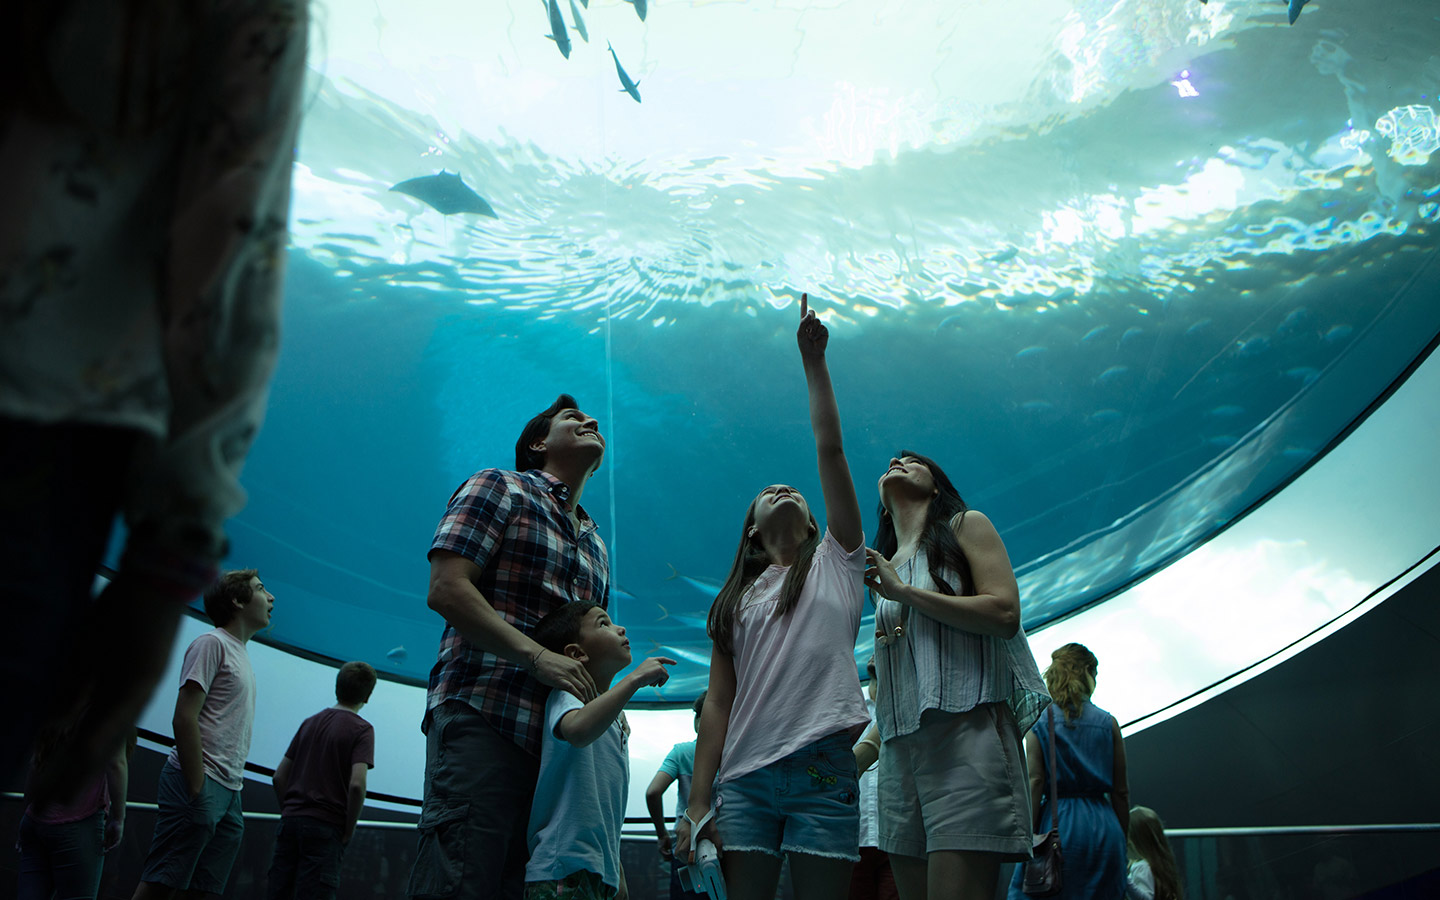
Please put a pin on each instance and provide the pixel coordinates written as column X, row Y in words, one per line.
column 1094, row 797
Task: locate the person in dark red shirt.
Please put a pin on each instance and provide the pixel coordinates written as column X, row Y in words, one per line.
column 321, row 787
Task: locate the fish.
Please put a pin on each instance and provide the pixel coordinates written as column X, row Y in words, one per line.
column 949, row 322
column 1294, row 9
column 1338, row 333
column 1252, row 347
column 558, row 34
column 1028, row 352
column 1005, row 255
column 1293, row 322
column 1131, row 334
column 706, row 587
column 639, row 8
column 1111, row 374
column 694, row 656
column 398, row 654
column 447, row 193
column 579, row 22
column 1197, row 327
column 1105, row 416
column 1228, row 411
column 1094, row 333
column 1306, row 375
column 630, row 87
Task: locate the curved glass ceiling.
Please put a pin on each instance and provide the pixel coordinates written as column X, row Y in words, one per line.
column 1123, row 268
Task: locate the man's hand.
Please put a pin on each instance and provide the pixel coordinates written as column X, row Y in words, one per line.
column 559, row 671
column 812, row 336
column 114, row 832
column 662, row 843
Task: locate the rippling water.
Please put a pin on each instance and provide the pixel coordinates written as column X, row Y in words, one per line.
column 1122, row 289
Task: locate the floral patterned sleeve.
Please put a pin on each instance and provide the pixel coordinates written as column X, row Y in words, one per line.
column 221, row 271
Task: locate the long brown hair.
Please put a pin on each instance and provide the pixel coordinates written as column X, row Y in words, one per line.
column 1147, row 841
column 1070, row 677
column 937, row 539
column 750, row 560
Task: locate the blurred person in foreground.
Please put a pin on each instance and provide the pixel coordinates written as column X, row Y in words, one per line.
column 145, row 155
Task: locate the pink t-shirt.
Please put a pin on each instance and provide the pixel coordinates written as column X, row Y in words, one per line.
column 218, row 662
column 795, row 676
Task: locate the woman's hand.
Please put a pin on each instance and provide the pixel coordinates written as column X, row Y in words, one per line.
column 684, row 846
column 812, row 336
column 880, row 577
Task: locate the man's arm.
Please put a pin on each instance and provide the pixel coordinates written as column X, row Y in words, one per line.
column 655, row 803
column 186, row 724
column 117, row 779
column 355, row 800
column 454, row 595
column 281, row 779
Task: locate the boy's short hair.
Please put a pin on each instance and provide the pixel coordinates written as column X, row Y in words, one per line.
column 536, row 430
column 354, row 683
column 562, row 626
column 230, row 588
column 699, row 703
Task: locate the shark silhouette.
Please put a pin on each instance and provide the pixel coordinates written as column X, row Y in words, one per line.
column 447, row 193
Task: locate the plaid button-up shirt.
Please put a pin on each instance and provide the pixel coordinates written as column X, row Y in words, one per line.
column 514, row 526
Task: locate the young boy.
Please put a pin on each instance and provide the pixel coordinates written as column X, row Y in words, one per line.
column 198, row 826
column 574, row 833
column 321, row 788
column 678, row 767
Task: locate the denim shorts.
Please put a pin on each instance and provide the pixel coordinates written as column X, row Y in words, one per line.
column 807, row 802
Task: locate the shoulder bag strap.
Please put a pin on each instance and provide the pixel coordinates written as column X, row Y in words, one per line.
column 1054, row 786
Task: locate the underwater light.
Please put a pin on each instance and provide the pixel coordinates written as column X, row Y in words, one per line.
column 1184, row 86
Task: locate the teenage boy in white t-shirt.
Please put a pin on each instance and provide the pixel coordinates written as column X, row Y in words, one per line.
column 579, row 806
column 199, row 827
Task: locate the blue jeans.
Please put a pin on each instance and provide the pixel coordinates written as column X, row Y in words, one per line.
column 307, row 860
column 61, row 861
column 807, row 802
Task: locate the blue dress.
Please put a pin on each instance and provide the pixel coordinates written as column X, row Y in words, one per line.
column 1091, row 842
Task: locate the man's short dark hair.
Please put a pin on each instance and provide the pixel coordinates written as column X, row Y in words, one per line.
column 562, row 626
column 699, row 703
column 354, row 683
column 230, row 588
column 536, row 430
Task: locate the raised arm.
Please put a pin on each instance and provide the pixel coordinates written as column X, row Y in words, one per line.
column 842, row 508
column 585, row 725
column 454, row 595
column 994, row 609
column 709, row 743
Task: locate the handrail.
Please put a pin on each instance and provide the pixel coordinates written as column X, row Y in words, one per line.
column 1172, row 833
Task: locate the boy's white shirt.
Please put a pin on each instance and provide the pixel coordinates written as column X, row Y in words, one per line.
column 580, row 799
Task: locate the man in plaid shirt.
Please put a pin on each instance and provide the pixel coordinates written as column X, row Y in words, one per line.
column 511, row 547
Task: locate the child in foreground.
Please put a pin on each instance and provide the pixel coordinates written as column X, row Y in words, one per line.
column 574, row 833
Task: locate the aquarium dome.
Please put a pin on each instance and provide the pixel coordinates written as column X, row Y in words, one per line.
column 1125, row 269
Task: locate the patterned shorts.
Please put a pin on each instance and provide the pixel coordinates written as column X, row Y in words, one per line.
column 580, row 885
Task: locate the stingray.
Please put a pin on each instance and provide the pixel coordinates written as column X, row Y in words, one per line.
column 447, row 193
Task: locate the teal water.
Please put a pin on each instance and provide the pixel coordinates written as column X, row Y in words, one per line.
column 1118, row 316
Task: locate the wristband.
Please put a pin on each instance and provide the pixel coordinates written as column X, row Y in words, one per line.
column 535, row 659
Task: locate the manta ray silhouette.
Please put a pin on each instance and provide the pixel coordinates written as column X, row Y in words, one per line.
column 447, row 193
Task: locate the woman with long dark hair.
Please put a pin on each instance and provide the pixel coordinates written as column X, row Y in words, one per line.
column 1152, row 874
column 958, row 687
column 784, row 705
